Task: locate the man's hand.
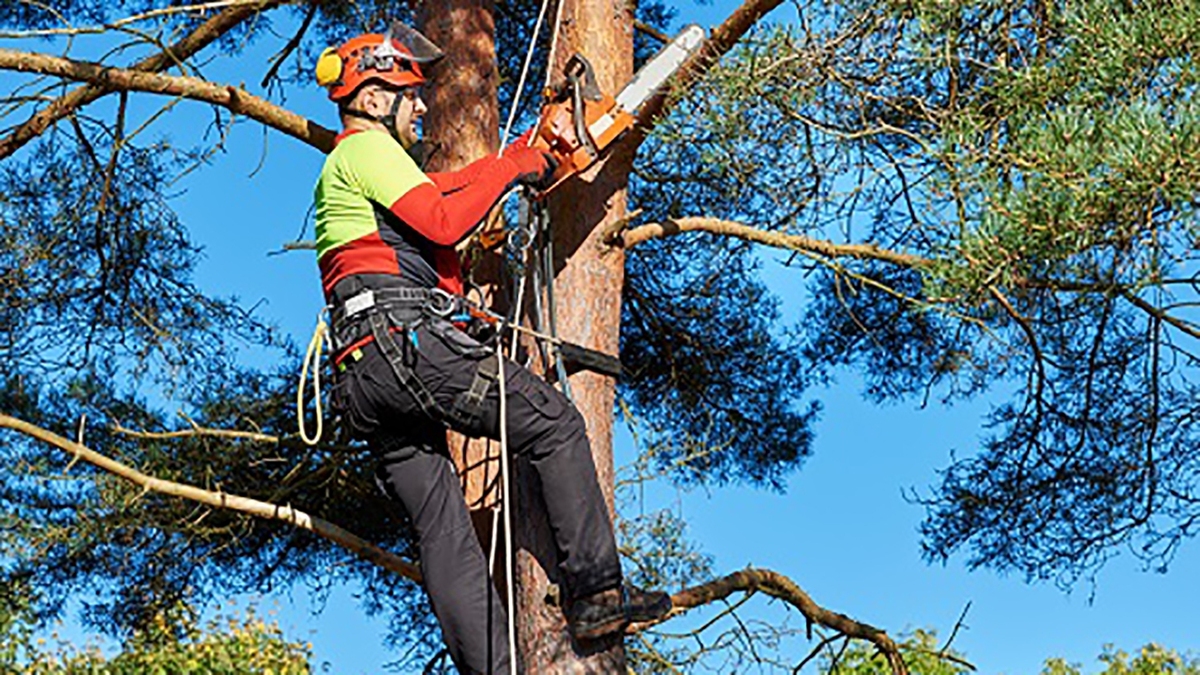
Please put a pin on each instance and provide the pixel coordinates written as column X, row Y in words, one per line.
column 535, row 167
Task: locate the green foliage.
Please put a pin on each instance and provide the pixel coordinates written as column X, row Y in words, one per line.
column 1151, row 659
column 173, row 642
column 1036, row 162
column 696, row 337
column 922, row 653
column 717, row 388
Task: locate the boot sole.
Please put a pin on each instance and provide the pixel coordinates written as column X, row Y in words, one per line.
column 593, row 631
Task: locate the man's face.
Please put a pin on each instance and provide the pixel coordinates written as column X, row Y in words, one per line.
column 379, row 101
column 408, row 115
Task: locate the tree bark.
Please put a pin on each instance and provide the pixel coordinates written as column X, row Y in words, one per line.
column 461, row 126
column 588, row 294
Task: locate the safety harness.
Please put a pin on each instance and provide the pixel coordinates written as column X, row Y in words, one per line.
column 376, row 314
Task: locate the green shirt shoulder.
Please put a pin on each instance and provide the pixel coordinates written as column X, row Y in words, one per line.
column 365, row 167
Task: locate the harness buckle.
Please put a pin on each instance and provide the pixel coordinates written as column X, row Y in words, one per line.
column 360, row 302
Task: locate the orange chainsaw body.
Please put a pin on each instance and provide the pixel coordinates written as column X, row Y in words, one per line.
column 556, row 133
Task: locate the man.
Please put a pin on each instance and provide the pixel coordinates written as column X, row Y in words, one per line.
column 386, row 233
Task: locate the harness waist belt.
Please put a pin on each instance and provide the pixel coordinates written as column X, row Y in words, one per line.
column 399, row 297
column 373, row 312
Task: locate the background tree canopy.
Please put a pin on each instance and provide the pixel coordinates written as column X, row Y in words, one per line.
column 1012, row 187
column 978, row 199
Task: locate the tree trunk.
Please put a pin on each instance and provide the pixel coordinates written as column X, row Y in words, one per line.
column 463, row 122
column 461, row 126
column 588, row 295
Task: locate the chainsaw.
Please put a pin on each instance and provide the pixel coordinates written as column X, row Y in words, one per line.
column 578, row 121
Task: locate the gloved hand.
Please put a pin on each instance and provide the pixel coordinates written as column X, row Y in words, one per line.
column 535, row 167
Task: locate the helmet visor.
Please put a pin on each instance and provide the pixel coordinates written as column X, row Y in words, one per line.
column 419, row 48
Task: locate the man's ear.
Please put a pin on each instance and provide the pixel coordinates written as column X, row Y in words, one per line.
column 366, row 97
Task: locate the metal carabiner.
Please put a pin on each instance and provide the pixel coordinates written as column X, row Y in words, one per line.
column 441, row 303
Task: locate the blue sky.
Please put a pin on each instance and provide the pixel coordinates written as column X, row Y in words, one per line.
column 842, row 530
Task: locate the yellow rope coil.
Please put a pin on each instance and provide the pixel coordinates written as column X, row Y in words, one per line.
column 312, row 360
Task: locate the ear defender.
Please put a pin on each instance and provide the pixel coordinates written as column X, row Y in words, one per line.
column 329, row 68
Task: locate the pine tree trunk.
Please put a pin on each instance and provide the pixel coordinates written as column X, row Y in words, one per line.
column 463, row 122
column 588, row 294
column 461, row 126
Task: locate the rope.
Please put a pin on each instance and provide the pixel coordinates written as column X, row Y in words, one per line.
column 512, row 111
column 506, row 483
column 505, row 479
column 312, row 359
column 554, row 40
column 507, row 497
column 551, row 309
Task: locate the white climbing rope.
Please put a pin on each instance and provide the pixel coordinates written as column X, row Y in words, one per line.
column 553, row 41
column 507, row 497
column 516, row 100
column 505, row 478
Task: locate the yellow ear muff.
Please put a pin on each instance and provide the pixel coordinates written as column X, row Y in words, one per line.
column 329, row 67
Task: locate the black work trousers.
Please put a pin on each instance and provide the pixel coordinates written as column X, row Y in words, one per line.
column 415, row 470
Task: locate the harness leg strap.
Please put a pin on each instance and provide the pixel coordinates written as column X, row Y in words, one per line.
column 468, row 406
column 381, row 329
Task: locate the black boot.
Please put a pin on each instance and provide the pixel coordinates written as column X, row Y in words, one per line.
column 610, row 611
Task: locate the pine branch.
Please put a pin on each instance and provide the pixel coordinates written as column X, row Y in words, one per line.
column 135, row 18
column 106, row 79
column 779, row 586
column 292, row 440
column 222, row 500
column 795, row 242
column 182, row 50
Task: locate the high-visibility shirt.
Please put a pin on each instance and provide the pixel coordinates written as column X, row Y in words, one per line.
column 378, row 213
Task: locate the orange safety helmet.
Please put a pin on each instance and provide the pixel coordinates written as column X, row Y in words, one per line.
column 393, row 58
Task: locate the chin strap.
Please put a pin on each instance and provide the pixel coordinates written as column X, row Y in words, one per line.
column 388, row 121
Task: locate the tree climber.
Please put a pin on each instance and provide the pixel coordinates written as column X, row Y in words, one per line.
column 386, row 233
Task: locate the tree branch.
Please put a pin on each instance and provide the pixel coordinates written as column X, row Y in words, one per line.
column 779, row 586
column 136, row 18
column 221, row 500
column 651, row 31
column 192, row 43
column 106, row 79
column 1160, row 314
column 1125, row 291
column 796, row 242
column 278, row 59
column 232, row 434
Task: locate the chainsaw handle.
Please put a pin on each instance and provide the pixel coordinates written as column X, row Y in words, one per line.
column 578, row 71
column 578, row 122
column 579, row 117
